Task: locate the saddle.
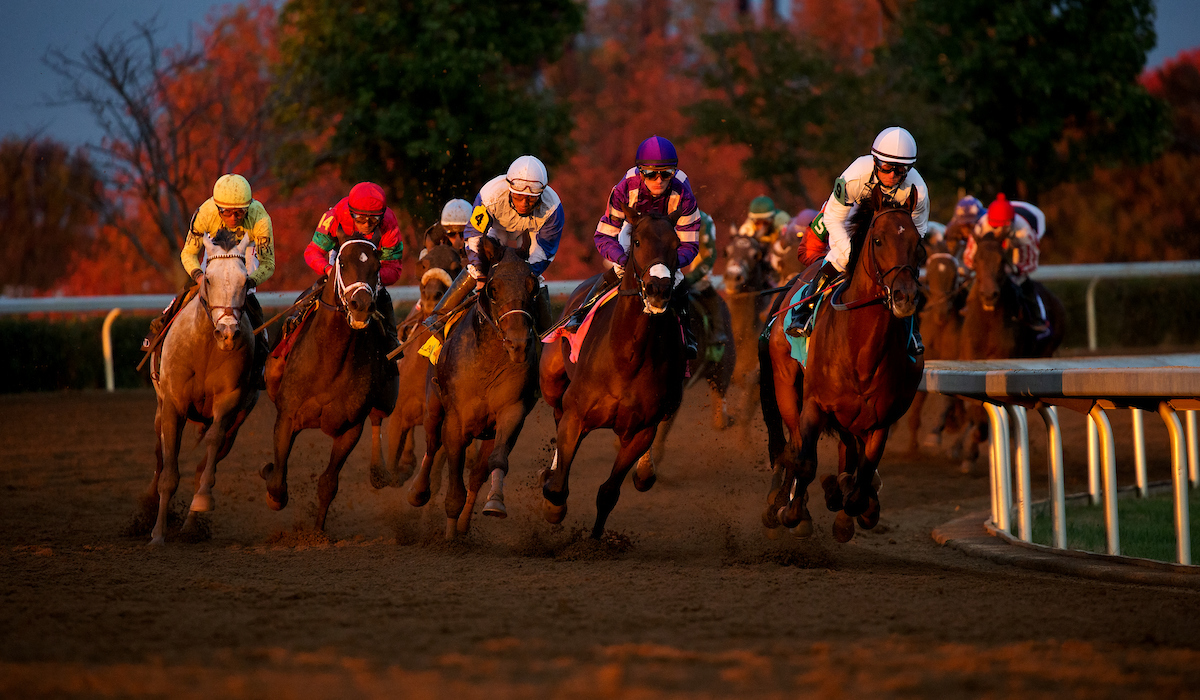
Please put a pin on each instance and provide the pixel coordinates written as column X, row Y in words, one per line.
column 292, row 324
column 576, row 339
column 432, row 348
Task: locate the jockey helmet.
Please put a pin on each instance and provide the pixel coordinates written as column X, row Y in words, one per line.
column 762, row 207
column 367, row 198
column 895, row 145
column 1000, row 213
column 527, row 176
column 457, row 212
column 656, row 152
column 969, row 209
column 232, row 192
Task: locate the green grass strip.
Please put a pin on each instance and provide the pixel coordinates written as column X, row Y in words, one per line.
column 1147, row 526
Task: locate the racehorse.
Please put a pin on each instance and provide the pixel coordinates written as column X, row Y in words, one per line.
column 335, row 374
column 860, row 377
column 629, row 372
column 204, row 373
column 747, row 273
column 439, row 265
column 993, row 327
column 941, row 325
column 483, row 386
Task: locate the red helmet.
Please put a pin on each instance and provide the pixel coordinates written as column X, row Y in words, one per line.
column 367, row 198
column 1000, row 212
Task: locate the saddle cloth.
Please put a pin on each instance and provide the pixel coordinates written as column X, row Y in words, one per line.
column 432, row 348
column 576, row 339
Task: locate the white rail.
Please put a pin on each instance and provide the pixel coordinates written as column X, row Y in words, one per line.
column 1164, row 383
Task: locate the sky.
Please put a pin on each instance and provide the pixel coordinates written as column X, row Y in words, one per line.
column 26, row 85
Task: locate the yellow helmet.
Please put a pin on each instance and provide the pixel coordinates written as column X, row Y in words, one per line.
column 232, row 192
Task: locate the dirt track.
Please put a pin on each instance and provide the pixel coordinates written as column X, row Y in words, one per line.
column 688, row 598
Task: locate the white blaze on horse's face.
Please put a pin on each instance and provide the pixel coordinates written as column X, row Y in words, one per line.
column 658, row 271
column 225, row 289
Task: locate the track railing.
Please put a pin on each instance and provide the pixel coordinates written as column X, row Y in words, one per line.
column 1164, row 384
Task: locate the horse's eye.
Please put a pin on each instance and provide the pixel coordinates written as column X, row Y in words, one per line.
column 878, row 242
column 637, row 242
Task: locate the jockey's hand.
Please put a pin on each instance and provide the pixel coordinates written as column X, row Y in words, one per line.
column 479, row 283
column 430, row 321
column 328, row 270
column 619, row 270
column 198, row 275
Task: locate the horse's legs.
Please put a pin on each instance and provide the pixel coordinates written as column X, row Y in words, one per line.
column 224, row 415
column 914, row 421
column 275, row 473
column 644, row 477
column 327, row 485
column 223, row 451
column 795, row 513
column 632, row 446
column 509, row 423
column 170, row 433
column 555, row 480
column 552, row 377
column 435, row 414
column 781, row 409
column 474, row 462
column 150, row 498
column 859, row 489
column 456, row 491
column 379, row 477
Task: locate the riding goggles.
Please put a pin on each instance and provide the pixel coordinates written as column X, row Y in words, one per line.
column 652, row 175
column 366, row 219
column 531, row 188
column 898, row 168
column 226, row 211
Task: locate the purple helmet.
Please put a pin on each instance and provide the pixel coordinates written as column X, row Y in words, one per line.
column 656, row 152
column 969, row 209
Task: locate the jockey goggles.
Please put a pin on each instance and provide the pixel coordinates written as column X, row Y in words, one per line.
column 898, row 168
column 529, row 188
column 652, row 175
column 226, row 211
column 372, row 219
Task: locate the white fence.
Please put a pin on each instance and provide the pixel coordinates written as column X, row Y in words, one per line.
column 1092, row 386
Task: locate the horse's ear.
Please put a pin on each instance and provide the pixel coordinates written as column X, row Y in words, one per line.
column 490, row 251
column 630, row 215
column 911, row 203
column 876, row 198
column 423, row 260
column 241, row 247
column 675, row 216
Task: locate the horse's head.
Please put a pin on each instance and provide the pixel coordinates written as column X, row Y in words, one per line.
column 891, row 251
column 941, row 281
column 743, row 265
column 506, row 302
column 440, row 264
column 653, row 257
column 958, row 230
column 356, row 276
column 223, row 292
column 991, row 269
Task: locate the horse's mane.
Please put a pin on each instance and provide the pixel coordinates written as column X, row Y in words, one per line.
column 225, row 239
column 857, row 226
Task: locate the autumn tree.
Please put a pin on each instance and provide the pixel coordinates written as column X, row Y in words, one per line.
column 429, row 98
column 47, row 197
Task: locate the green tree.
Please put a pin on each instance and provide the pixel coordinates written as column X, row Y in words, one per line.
column 430, row 98
column 48, row 198
column 1050, row 85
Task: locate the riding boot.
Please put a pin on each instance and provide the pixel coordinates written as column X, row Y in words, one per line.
column 1034, row 318
column 802, row 315
column 387, row 320
column 254, row 314
column 680, row 303
column 915, row 346
column 158, row 324
column 463, row 284
column 303, row 301
column 600, row 287
column 543, row 316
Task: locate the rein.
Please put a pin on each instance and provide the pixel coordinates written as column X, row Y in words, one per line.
column 495, row 323
column 345, row 291
column 234, row 311
column 884, row 296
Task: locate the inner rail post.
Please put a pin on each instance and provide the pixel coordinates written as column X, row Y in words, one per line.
column 1109, row 476
column 1001, row 468
column 110, row 382
column 1139, row 451
column 1054, row 455
column 1193, row 450
column 1179, row 475
column 1093, row 443
column 1020, row 428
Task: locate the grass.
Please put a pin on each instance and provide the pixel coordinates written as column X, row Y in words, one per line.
column 1147, row 526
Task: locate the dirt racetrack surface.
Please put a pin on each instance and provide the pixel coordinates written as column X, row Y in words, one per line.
column 685, row 597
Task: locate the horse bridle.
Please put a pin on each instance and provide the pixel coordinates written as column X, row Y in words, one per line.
column 885, row 296
column 234, row 311
column 495, row 323
column 345, row 291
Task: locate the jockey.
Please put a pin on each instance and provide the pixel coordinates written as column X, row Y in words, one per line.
column 654, row 185
column 890, row 165
column 361, row 214
column 800, row 228
column 520, row 210
column 455, row 217
column 1012, row 225
column 764, row 222
column 232, row 208
column 968, row 212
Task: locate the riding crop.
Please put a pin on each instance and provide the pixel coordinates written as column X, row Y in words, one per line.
column 435, row 327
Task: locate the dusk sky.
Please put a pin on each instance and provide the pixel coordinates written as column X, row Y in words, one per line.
column 26, row 85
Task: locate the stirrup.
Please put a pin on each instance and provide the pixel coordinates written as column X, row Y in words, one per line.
column 575, row 321
column 801, row 328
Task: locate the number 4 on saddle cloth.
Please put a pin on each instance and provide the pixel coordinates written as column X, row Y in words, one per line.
column 432, row 348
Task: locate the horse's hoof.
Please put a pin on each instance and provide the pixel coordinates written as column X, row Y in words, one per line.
column 870, row 517
column 966, row 467
column 772, row 533
column 644, row 484
column 552, row 513
column 157, row 541
column 769, row 519
column 379, row 477
column 265, row 471
column 203, row 503
column 833, row 493
column 788, row 521
column 495, row 508
column 451, row 529
column 843, row 527
column 274, row 504
column 803, row 531
column 416, row 498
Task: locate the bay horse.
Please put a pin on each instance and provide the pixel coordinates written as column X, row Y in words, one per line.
column 335, row 374
column 439, row 265
column 629, row 374
column 941, row 325
column 205, row 364
column 859, row 379
column 482, row 387
column 747, row 272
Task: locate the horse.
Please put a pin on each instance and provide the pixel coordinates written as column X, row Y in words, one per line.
column 205, row 366
column 335, row 374
column 629, row 372
column 482, row 387
column 859, row 379
column 992, row 326
column 746, row 273
column 439, row 265
column 941, row 325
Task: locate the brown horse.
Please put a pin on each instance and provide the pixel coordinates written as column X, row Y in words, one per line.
column 204, row 376
column 941, row 325
column 859, row 379
column 483, row 387
column 629, row 374
column 747, row 273
column 335, row 374
column 439, row 266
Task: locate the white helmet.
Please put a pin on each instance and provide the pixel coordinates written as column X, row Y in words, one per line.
column 527, row 176
column 457, row 212
column 895, row 145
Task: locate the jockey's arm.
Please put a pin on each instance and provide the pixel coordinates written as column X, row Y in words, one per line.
column 391, row 248
column 192, row 247
column 264, row 249
column 543, row 244
column 833, row 224
column 609, row 228
column 316, row 253
column 1024, row 241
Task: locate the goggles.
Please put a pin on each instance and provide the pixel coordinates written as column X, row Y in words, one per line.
column 529, row 188
column 234, row 211
column 373, row 220
column 652, row 175
column 898, row 168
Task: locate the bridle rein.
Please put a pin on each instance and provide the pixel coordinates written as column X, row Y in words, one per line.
column 884, row 296
column 233, row 311
column 346, row 291
column 495, row 322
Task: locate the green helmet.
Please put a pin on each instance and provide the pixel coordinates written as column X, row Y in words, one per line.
column 762, row 207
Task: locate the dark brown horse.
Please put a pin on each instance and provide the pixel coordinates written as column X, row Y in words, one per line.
column 941, row 325
column 439, row 266
column 205, row 364
column 483, row 387
column 859, row 378
column 630, row 369
column 335, row 374
column 747, row 273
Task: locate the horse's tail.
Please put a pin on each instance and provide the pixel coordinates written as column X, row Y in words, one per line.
column 776, row 440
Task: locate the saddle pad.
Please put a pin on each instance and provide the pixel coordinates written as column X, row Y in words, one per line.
column 432, row 348
column 799, row 345
column 290, row 335
column 576, row 339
